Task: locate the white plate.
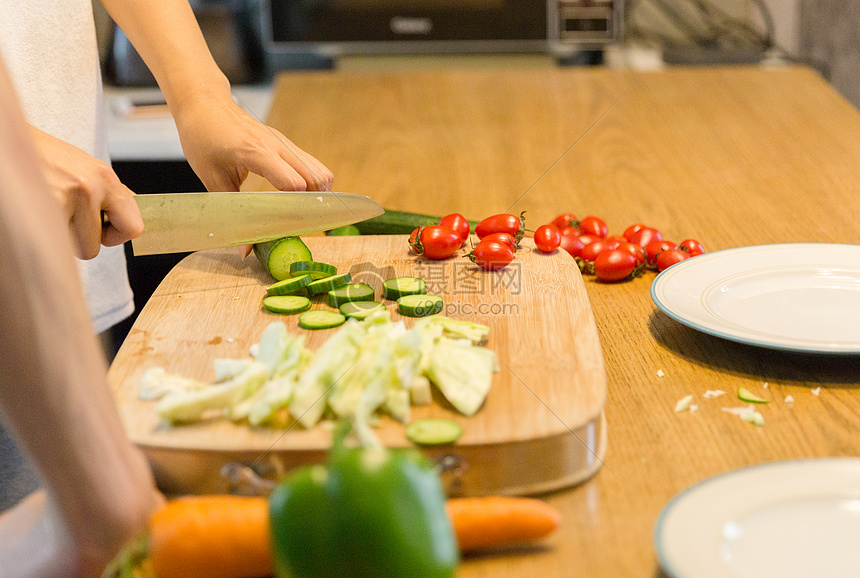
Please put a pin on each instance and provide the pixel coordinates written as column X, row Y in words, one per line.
column 797, row 296
column 779, row 520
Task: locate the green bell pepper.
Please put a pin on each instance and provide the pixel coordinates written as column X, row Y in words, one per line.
column 368, row 512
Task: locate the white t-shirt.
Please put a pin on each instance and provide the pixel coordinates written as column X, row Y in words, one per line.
column 49, row 48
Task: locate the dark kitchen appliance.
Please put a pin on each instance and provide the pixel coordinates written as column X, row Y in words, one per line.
column 334, row 27
column 231, row 29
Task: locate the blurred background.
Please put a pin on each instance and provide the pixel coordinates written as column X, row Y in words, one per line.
column 254, row 40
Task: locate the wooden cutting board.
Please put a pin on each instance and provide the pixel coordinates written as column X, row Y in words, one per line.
column 541, row 428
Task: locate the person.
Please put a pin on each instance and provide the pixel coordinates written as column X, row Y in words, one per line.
column 52, row 58
column 54, row 395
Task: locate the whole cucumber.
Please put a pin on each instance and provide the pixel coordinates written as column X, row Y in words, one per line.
column 399, row 223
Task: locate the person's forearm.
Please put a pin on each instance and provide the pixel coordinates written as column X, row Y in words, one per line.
column 166, row 35
column 53, row 386
column 221, row 141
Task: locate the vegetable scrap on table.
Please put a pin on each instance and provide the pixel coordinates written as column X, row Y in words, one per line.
column 747, row 413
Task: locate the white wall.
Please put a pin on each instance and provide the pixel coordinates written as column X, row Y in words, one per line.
column 785, row 14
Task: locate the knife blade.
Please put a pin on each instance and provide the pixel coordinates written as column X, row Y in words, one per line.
column 182, row 222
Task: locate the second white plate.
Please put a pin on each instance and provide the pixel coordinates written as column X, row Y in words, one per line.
column 778, row 520
column 796, row 296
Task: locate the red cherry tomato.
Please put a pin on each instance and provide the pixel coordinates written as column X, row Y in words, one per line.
column 634, row 250
column 504, row 238
column 504, row 223
column 457, row 222
column 437, row 242
column 645, row 235
column 628, row 232
column 593, row 226
column 564, row 221
column 613, row 242
column 589, row 239
column 590, row 252
column 570, row 231
column 547, row 238
column 571, row 241
column 692, row 247
column 491, row 255
column 654, row 248
column 668, row 258
column 614, row 265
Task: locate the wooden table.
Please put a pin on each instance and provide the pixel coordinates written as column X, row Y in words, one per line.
column 731, row 156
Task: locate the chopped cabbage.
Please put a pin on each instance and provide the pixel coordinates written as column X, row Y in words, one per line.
column 365, row 368
column 474, row 332
column 419, row 391
column 462, row 374
column 229, row 368
column 328, row 366
column 156, row 383
column 190, row 406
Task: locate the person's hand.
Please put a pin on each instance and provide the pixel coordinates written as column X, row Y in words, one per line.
column 85, row 186
column 223, row 144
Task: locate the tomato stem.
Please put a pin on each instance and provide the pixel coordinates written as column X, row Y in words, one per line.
column 416, row 246
column 521, row 232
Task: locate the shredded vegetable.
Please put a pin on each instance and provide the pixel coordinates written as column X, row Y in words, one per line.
column 366, row 368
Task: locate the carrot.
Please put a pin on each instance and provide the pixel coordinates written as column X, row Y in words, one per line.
column 495, row 521
column 224, row 536
column 219, row 536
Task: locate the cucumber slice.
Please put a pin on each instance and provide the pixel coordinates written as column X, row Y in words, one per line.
column 277, row 256
column 329, row 283
column 286, row 304
column 360, row 309
column 400, row 286
column 321, row 319
column 313, row 268
column 419, row 305
column 749, row 397
column 433, row 431
column 350, row 292
column 289, row 285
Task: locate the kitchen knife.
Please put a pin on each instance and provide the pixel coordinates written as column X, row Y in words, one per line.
column 180, row 222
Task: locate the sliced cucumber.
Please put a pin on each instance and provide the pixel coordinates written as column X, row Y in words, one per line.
column 749, row 397
column 286, row 304
column 361, row 309
column 313, row 268
column 419, row 305
column 433, row 431
column 350, row 292
column 277, row 256
column 396, row 288
column 288, row 286
column 328, row 283
column 321, row 319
